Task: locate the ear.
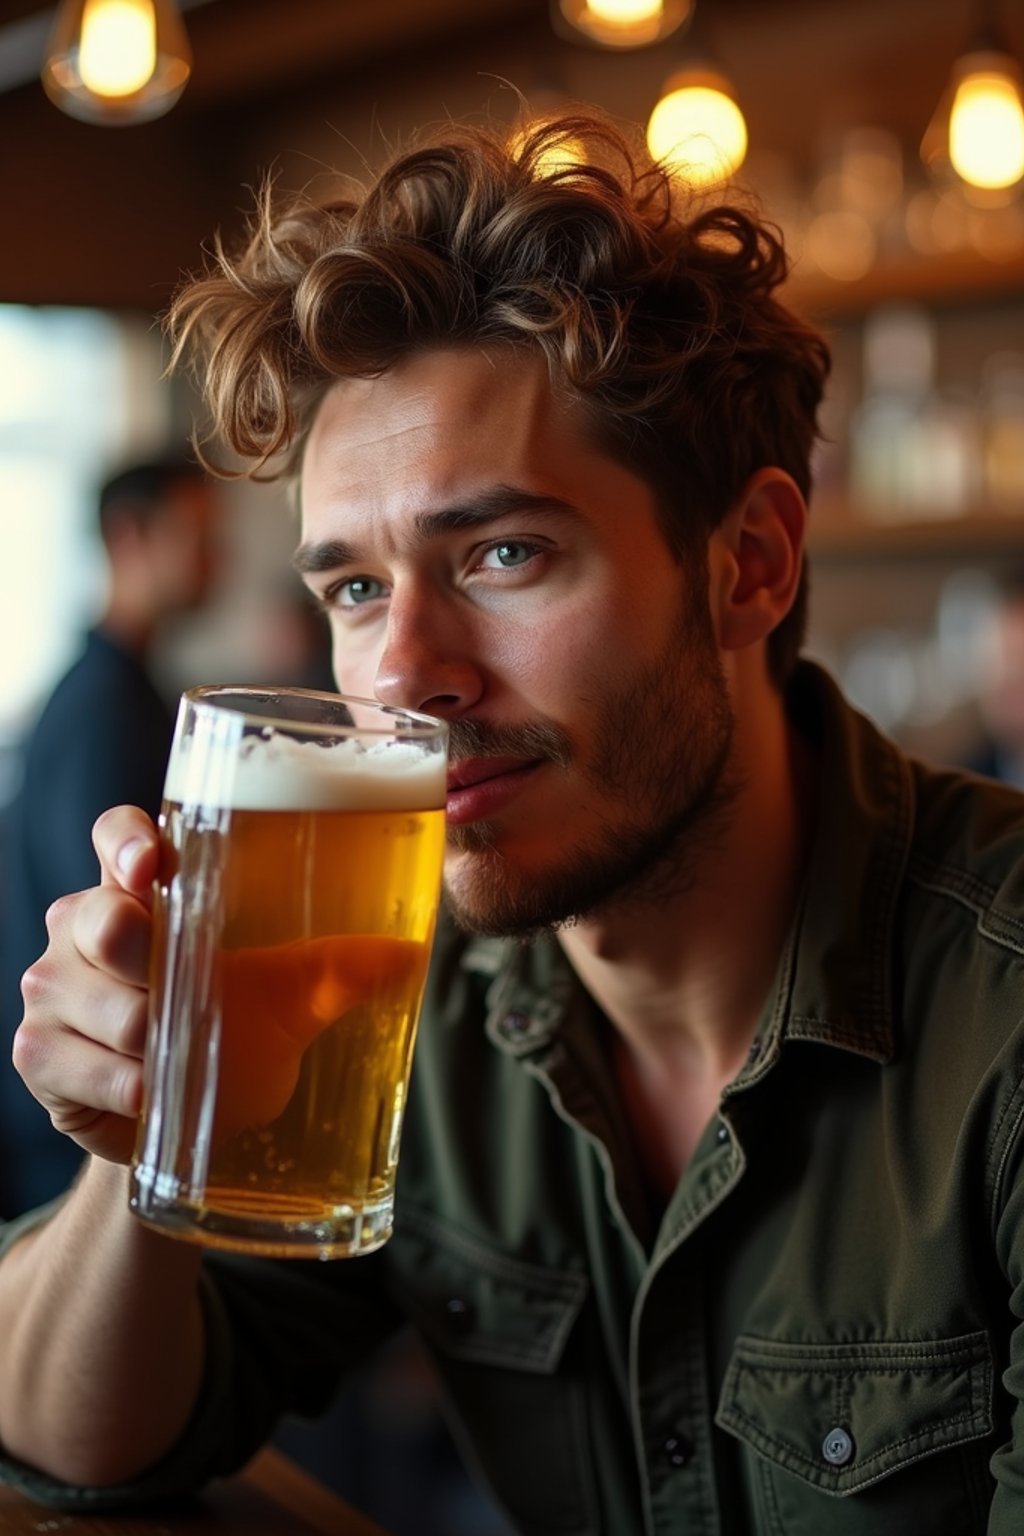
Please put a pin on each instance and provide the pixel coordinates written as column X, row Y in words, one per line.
column 756, row 557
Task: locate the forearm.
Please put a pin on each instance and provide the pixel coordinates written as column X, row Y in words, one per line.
column 101, row 1338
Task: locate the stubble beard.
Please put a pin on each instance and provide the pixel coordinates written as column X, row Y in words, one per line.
column 663, row 766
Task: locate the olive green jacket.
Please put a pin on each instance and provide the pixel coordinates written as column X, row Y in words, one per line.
column 822, row 1334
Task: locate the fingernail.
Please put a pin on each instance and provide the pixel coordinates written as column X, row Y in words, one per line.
column 129, row 853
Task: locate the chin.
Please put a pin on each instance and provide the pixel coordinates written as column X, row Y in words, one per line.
column 486, row 896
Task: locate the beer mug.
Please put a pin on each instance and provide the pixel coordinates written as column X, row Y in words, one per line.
column 302, row 838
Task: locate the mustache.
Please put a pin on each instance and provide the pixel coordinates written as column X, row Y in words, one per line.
column 532, row 739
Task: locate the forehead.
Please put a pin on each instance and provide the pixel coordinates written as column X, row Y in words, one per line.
column 436, row 427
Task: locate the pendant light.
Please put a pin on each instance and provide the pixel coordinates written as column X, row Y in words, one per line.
column 621, row 23
column 697, row 128
column 977, row 129
column 116, row 61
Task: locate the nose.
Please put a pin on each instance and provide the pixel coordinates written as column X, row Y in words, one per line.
column 428, row 662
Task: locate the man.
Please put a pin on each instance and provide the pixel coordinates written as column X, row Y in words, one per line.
column 709, row 1199
column 101, row 740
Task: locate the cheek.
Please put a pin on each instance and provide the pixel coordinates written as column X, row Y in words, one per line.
column 535, row 663
column 355, row 672
column 599, row 644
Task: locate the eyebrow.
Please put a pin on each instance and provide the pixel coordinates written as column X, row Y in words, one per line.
column 485, row 507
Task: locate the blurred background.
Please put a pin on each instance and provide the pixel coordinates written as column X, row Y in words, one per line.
column 908, row 249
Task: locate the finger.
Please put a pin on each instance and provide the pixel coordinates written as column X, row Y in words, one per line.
column 67, row 1072
column 76, row 996
column 127, row 846
column 110, row 1137
column 112, row 931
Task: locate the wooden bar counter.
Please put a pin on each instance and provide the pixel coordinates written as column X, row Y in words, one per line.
column 271, row 1497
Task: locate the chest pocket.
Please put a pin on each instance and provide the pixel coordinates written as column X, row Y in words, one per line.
column 498, row 1329
column 883, row 1437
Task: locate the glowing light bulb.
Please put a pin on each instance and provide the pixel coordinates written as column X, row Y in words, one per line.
column 626, row 13
column 986, row 129
column 698, row 130
column 622, row 23
column 116, row 61
column 118, row 49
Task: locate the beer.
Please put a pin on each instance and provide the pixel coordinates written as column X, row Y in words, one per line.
column 292, row 927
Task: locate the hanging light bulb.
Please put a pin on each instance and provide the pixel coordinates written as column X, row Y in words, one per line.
column 116, row 61
column 697, row 129
column 978, row 127
column 986, row 122
column 623, row 23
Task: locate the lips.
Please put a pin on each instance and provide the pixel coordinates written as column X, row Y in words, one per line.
column 480, row 787
column 477, row 770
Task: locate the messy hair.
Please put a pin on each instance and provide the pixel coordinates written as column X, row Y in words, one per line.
column 654, row 306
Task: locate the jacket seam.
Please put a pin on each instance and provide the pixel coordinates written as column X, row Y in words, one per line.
column 774, row 1355
column 970, row 892
column 897, row 769
column 934, row 1435
column 557, row 1283
column 1008, row 1145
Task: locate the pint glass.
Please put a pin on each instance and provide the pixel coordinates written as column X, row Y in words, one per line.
column 302, row 837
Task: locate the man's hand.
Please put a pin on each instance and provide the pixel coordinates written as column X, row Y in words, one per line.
column 79, row 1047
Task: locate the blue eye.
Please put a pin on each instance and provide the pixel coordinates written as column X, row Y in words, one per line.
column 510, row 554
column 361, row 589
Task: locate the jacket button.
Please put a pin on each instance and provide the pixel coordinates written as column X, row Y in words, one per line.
column 460, row 1314
column 515, row 1025
column 678, row 1450
column 837, row 1447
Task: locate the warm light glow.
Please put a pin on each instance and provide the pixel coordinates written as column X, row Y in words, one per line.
column 997, row 233
column 841, row 244
column 118, row 49
column 699, row 131
column 936, row 223
column 116, row 61
column 622, row 23
column 870, row 172
column 563, row 155
column 625, row 13
column 986, row 130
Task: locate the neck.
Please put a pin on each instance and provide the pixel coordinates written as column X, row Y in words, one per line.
column 127, row 623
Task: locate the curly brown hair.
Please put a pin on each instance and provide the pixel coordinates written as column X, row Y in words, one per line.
column 653, row 306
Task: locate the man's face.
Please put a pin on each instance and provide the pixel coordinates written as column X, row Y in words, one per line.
column 480, row 560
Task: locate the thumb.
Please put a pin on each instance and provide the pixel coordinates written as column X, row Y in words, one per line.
column 128, row 849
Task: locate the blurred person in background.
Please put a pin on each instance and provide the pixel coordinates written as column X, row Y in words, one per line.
column 1000, row 687
column 102, row 738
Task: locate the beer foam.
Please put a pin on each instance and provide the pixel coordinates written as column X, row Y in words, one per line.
column 278, row 773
